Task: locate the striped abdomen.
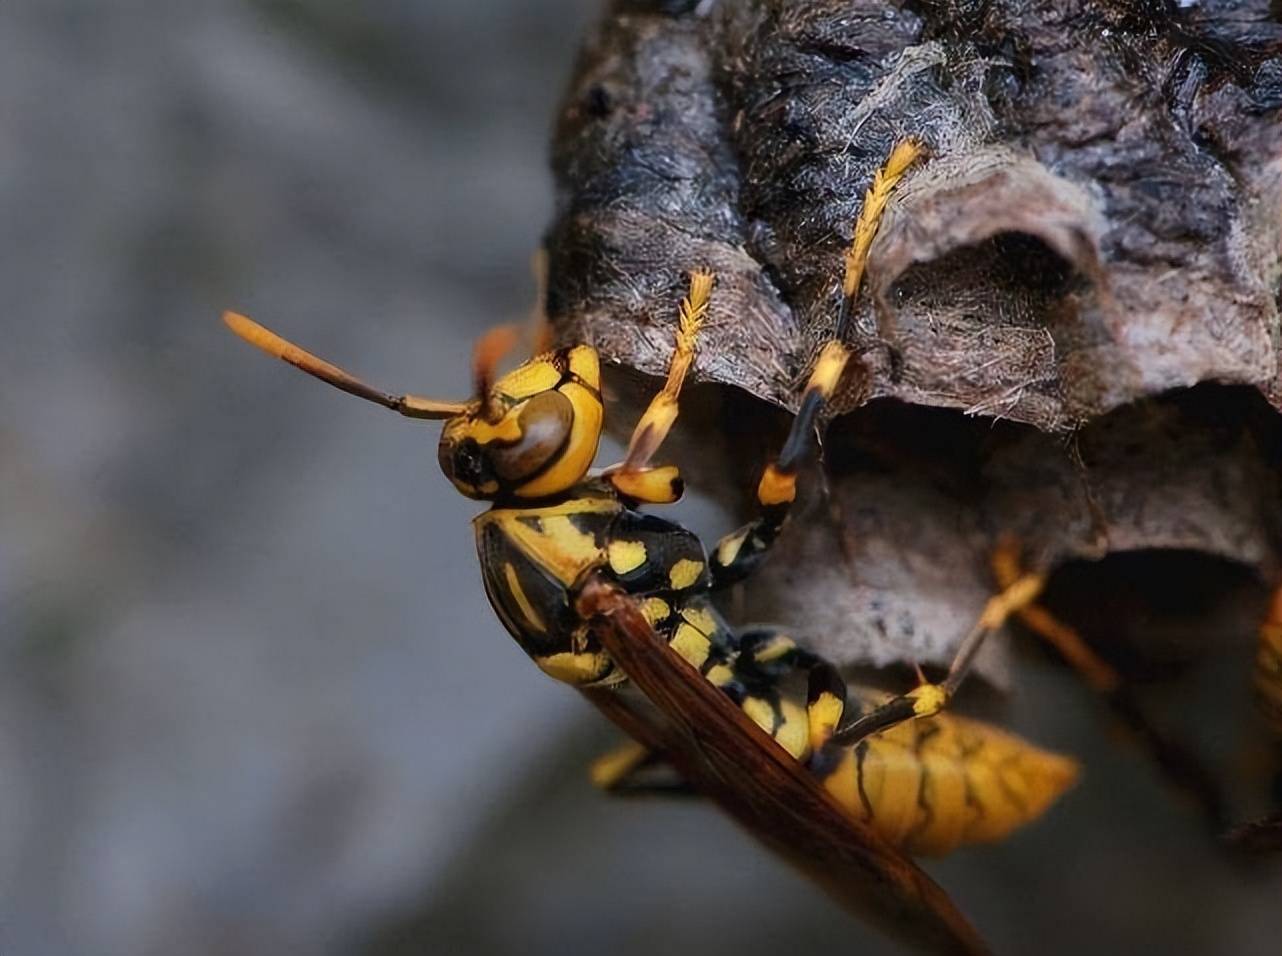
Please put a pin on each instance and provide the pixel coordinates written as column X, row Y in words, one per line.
column 932, row 785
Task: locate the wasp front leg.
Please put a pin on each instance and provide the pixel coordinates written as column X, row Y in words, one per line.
column 634, row 477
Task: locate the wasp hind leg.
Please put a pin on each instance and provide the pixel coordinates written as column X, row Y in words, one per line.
column 927, row 699
column 1178, row 764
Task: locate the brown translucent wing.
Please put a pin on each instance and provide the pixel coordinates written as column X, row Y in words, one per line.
column 725, row 756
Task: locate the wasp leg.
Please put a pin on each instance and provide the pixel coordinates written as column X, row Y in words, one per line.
column 635, row 478
column 739, row 553
column 633, row 769
column 928, row 699
column 1180, row 766
column 900, row 160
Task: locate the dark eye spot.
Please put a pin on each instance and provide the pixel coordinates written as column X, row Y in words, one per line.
column 470, row 465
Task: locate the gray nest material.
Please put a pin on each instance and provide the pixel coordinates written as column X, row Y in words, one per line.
column 1095, row 235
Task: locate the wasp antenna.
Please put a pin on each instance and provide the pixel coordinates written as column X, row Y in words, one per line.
column 412, row 406
column 489, row 351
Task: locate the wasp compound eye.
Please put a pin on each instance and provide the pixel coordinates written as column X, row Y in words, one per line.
column 545, row 422
column 466, row 465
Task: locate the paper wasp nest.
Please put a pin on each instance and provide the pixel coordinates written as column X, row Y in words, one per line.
column 1069, row 324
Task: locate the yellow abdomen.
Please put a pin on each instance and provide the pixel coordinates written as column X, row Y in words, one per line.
column 932, row 785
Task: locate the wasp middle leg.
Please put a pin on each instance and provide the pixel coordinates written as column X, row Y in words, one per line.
column 739, row 553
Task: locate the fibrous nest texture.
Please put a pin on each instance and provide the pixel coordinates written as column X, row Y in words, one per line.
column 1094, row 235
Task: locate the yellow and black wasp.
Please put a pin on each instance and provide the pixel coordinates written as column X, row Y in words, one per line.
column 585, row 582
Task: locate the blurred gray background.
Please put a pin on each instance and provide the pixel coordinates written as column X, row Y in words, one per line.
column 252, row 697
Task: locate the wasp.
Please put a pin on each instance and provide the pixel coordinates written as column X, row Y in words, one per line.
column 585, row 581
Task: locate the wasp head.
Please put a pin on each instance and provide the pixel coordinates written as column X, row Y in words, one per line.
column 533, row 434
column 530, row 434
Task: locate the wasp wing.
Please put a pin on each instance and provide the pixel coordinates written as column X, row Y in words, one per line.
column 725, row 756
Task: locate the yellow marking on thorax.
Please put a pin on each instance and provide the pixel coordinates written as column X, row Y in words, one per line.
column 626, row 556
column 684, row 573
column 692, row 644
column 557, row 545
column 572, row 541
column 574, row 668
column 505, row 517
column 532, row 617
